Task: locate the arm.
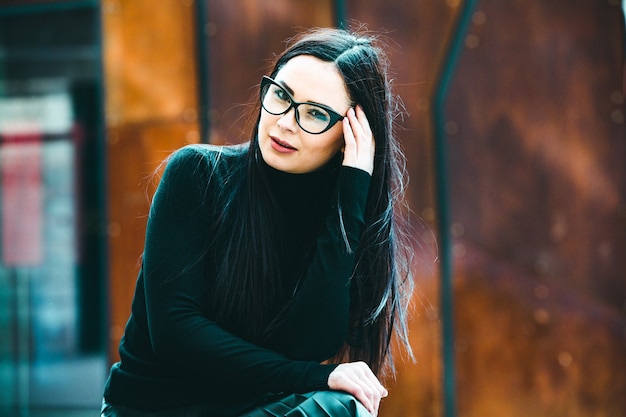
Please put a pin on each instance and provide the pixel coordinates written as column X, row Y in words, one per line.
column 180, row 335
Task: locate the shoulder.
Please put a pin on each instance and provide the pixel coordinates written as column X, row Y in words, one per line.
column 212, row 155
column 201, row 160
column 201, row 169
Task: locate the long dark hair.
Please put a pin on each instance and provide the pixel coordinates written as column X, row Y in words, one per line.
column 249, row 278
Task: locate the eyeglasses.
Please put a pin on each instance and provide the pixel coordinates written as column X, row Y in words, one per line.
column 311, row 117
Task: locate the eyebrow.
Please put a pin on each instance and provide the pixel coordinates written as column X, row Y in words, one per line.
column 286, row 87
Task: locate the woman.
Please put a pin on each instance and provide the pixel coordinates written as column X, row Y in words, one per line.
column 274, row 272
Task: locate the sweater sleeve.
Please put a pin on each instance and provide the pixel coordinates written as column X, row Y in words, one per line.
column 180, row 335
column 316, row 323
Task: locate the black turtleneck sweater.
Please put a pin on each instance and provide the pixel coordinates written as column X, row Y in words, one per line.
column 173, row 354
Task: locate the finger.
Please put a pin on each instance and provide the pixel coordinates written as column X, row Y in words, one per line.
column 355, row 385
column 348, row 134
column 356, row 122
column 365, row 142
column 366, row 390
column 364, row 125
column 350, row 146
column 366, row 400
column 352, row 380
column 377, row 384
column 373, row 380
column 372, row 385
column 363, row 121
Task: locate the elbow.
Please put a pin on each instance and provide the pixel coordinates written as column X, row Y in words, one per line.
column 164, row 344
column 171, row 337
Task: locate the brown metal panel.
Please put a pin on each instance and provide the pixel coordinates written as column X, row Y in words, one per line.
column 151, row 109
column 135, row 153
column 149, row 61
column 536, row 138
column 538, row 169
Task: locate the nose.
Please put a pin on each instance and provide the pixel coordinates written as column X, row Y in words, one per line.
column 287, row 121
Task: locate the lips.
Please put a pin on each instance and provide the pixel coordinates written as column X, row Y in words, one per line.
column 281, row 145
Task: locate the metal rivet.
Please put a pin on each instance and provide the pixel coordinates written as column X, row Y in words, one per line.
column 190, row 115
column 472, row 41
column 617, row 97
column 428, row 214
column 423, row 104
column 114, row 229
column 210, row 29
column 541, row 316
column 458, row 229
column 542, row 291
column 192, row 136
column 458, row 250
column 451, row 128
column 479, row 18
column 565, row 359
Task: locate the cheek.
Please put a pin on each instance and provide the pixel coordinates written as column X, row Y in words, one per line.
column 263, row 121
column 335, row 142
column 267, row 121
column 337, row 146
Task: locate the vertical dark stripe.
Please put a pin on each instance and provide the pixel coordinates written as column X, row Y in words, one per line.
column 443, row 202
column 340, row 13
column 202, row 66
column 102, row 211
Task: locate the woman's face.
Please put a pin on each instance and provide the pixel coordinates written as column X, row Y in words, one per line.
column 283, row 144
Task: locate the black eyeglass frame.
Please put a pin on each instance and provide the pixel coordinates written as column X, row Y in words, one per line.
column 334, row 116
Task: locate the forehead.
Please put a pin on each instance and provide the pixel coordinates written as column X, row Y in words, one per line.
column 312, row 79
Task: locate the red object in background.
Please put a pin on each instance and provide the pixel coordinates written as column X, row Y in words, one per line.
column 21, row 194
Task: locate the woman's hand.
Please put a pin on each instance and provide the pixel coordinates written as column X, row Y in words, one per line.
column 357, row 378
column 359, row 141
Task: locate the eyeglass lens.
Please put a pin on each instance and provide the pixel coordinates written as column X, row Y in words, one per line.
column 311, row 118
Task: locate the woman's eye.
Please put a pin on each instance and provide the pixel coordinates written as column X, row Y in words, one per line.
column 318, row 114
column 281, row 94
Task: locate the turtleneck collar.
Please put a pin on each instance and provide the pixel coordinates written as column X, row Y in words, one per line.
column 301, row 189
column 281, row 178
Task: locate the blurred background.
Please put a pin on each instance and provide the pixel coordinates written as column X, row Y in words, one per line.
column 515, row 141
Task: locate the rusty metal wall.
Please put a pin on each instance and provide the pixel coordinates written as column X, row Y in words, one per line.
column 538, row 183
column 151, row 110
column 535, row 139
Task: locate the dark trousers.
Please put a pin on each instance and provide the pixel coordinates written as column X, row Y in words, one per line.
column 110, row 410
column 311, row 404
